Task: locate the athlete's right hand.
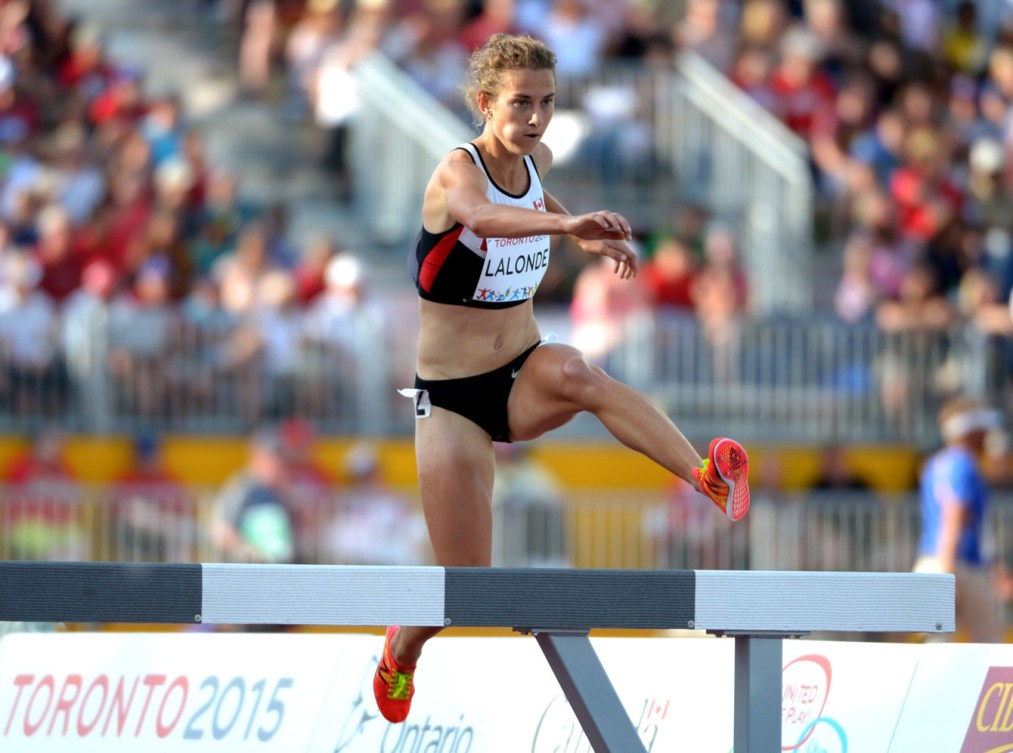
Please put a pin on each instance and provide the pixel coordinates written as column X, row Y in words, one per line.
column 599, row 226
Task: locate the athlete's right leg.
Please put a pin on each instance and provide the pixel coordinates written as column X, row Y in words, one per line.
column 456, row 466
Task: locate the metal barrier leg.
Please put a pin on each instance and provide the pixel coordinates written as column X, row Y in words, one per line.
column 758, row 663
column 595, row 702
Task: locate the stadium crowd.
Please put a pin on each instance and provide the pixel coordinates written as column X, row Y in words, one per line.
column 112, row 215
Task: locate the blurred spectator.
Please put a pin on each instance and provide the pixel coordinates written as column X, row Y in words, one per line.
column 280, row 248
column 762, row 22
column 920, row 23
column 79, row 184
column 43, row 512
column 144, row 331
column 86, row 70
column 835, row 472
column 373, row 524
column 335, row 329
column 23, row 175
column 162, row 127
column 125, row 216
column 997, row 93
column 965, row 47
column 834, row 132
column 801, row 88
column 954, row 503
column 61, row 265
column 219, row 223
column 241, row 272
column 426, row 46
column 891, row 256
column 310, row 478
column 33, row 365
column 84, row 317
column 529, row 509
column 702, row 30
column 989, row 207
column 643, row 38
column 335, row 98
column 919, row 305
column 305, row 46
column 682, row 532
column 881, row 146
column 313, row 486
column 577, row 38
column 840, row 49
column 923, row 314
column 856, row 295
column 720, row 298
column 311, row 270
column 751, row 72
column 172, row 183
column 668, row 275
column 218, row 365
column 277, row 322
column 494, row 17
column 153, row 513
column 619, row 141
column 258, row 46
column 926, row 197
column 19, row 111
column 122, row 101
column 254, row 515
column 602, row 308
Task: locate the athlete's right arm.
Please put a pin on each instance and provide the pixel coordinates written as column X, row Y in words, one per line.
column 463, row 186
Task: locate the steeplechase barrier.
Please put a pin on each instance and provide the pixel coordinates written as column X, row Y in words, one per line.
column 559, row 607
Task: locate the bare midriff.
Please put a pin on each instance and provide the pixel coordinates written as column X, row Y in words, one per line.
column 460, row 341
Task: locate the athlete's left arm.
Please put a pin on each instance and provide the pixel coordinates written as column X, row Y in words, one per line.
column 620, row 251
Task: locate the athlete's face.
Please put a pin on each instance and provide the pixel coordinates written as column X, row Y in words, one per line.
column 521, row 111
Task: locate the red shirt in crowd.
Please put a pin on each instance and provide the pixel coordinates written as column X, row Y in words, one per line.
column 798, row 102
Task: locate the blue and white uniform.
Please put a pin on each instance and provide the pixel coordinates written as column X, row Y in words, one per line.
column 951, row 476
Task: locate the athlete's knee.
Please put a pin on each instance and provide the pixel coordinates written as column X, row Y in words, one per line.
column 583, row 381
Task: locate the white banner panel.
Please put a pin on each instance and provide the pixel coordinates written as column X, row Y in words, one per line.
column 961, row 700
column 842, row 696
column 110, row 692
column 498, row 695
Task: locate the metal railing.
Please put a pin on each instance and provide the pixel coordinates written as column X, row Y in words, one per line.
column 398, row 137
column 623, row 528
column 790, row 379
column 739, row 161
column 806, row 379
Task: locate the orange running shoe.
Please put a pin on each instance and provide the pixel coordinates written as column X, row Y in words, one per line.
column 393, row 685
column 724, row 476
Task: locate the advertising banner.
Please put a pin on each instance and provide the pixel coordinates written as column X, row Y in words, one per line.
column 109, row 692
column 961, row 700
column 296, row 693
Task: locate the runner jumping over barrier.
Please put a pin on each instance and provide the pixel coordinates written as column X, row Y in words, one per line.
column 484, row 371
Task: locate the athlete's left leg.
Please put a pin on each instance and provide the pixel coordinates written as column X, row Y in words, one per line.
column 557, row 382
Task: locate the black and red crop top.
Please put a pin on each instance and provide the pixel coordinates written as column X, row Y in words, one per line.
column 459, row 268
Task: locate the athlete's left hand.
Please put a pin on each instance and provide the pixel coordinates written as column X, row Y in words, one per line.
column 626, row 264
